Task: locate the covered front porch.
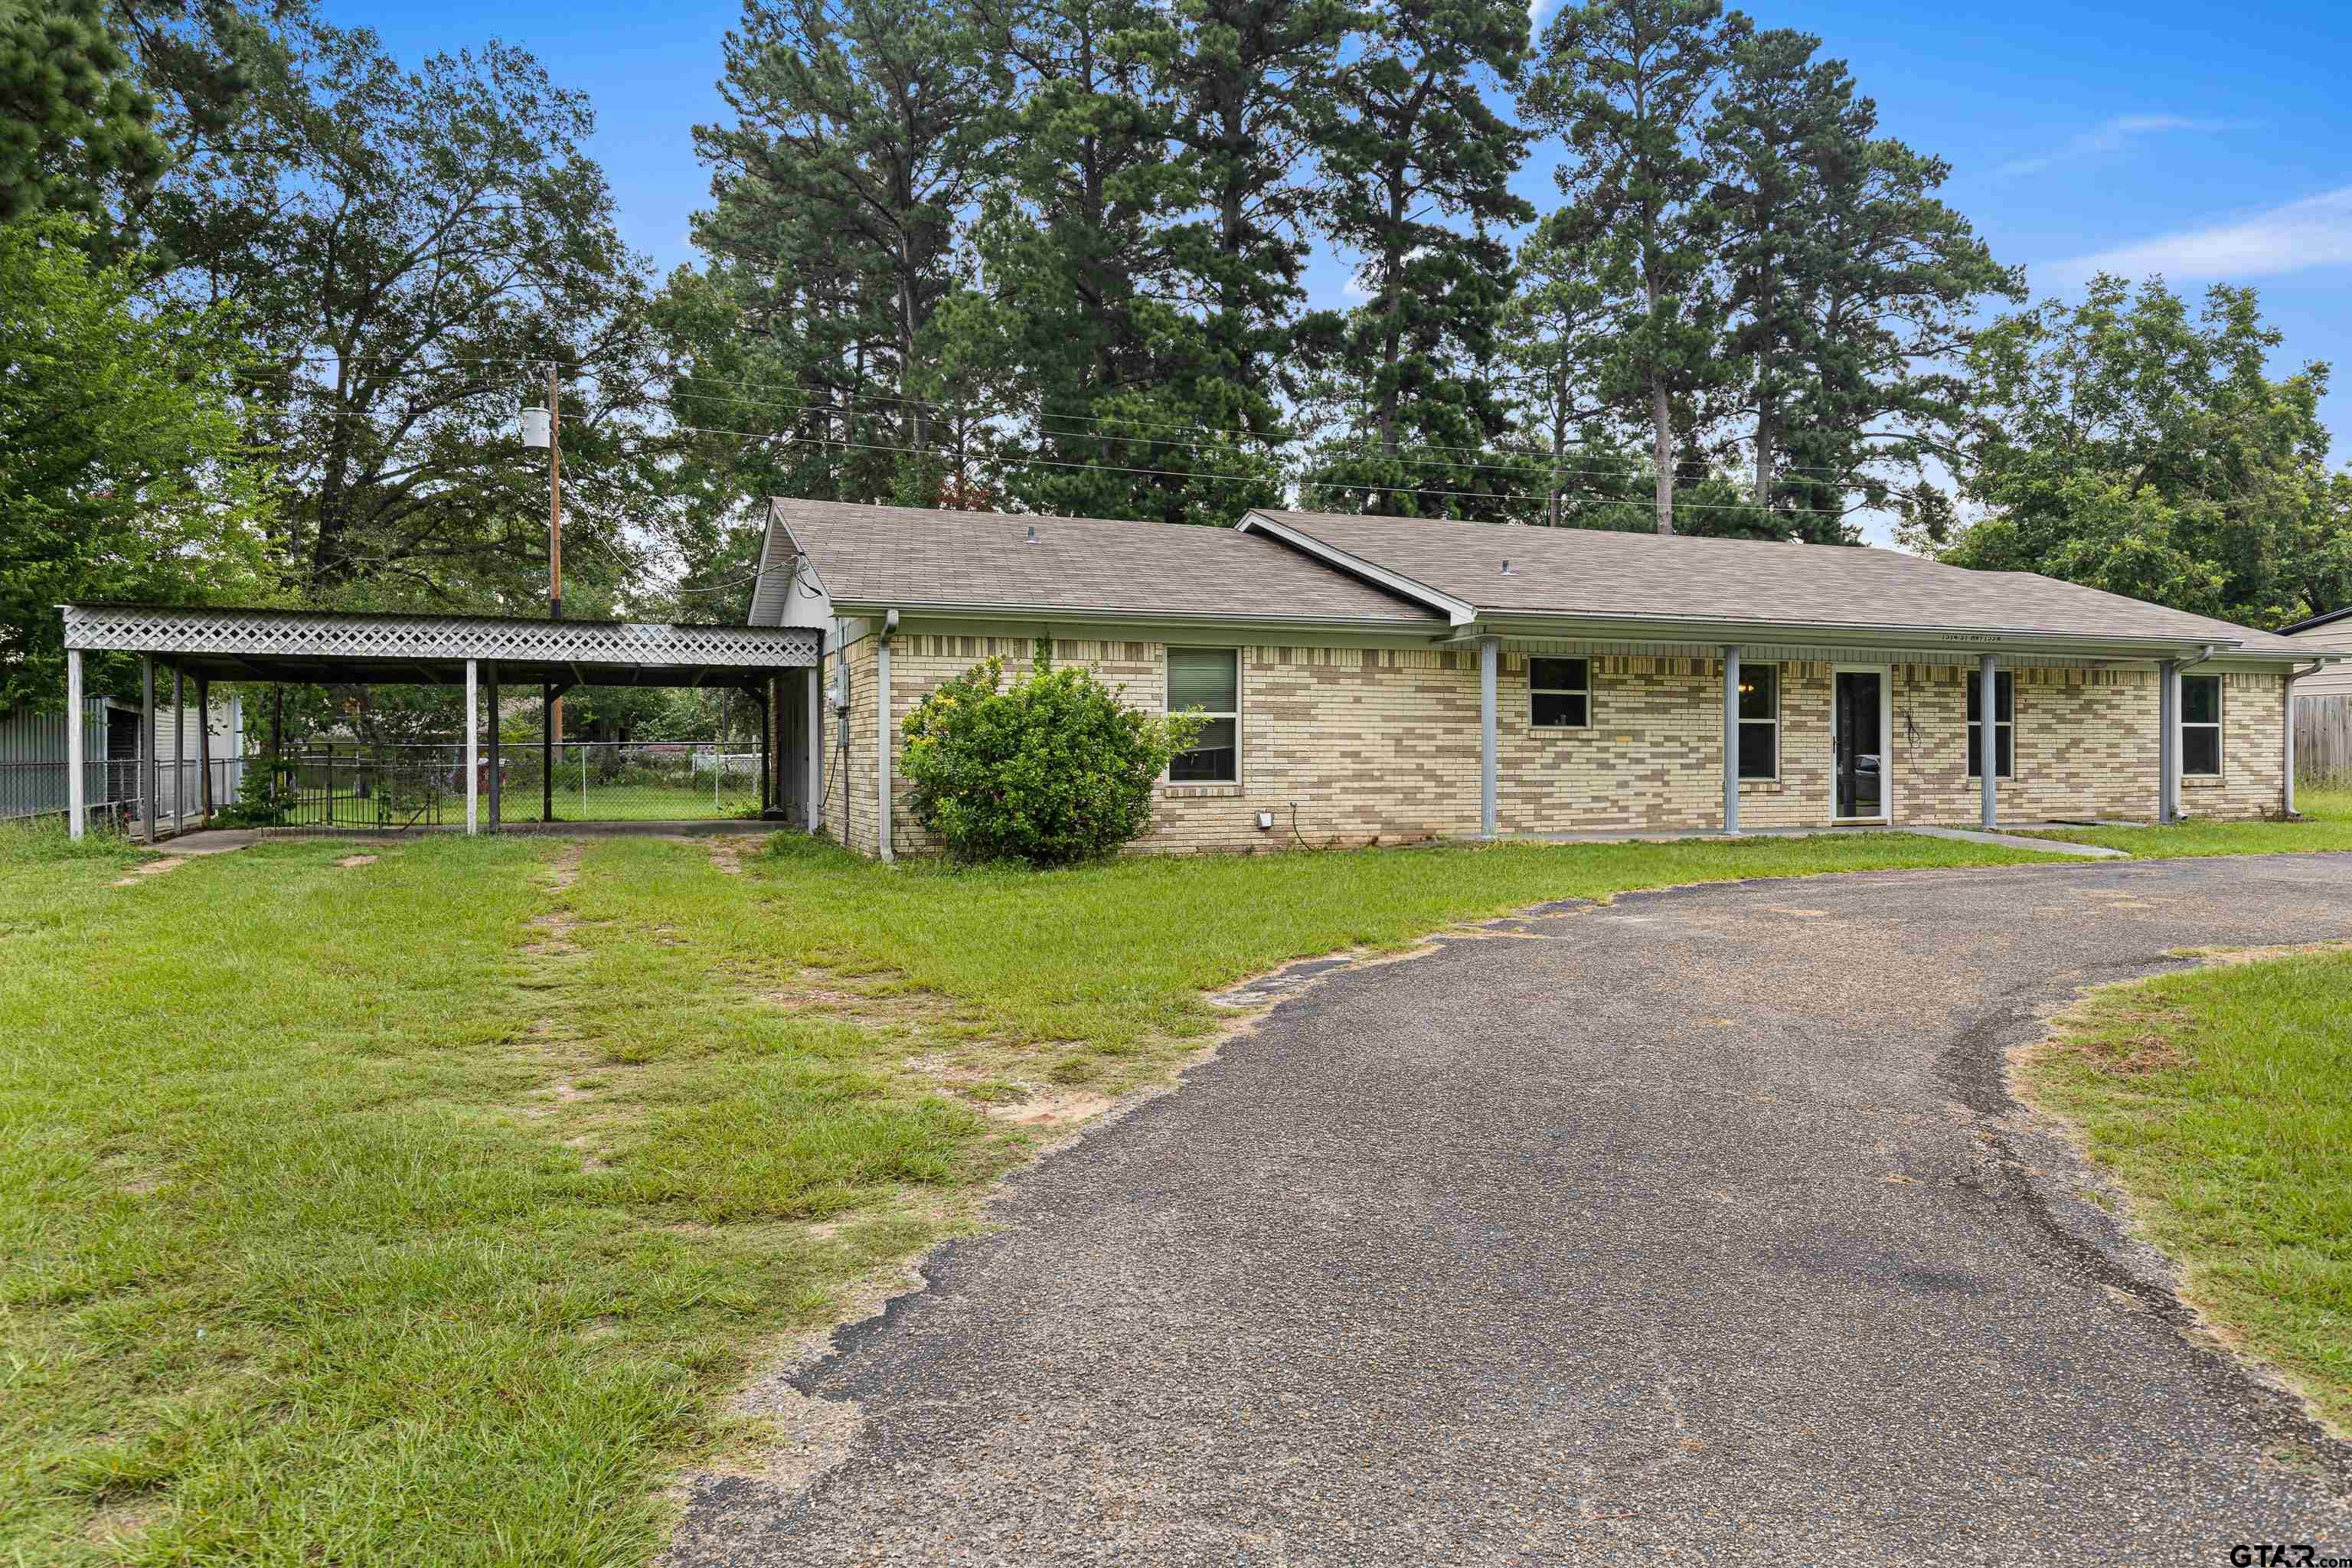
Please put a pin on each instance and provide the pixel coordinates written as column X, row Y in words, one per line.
column 192, row 646
column 1635, row 736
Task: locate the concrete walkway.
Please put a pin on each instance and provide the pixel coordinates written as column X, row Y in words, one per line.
column 2011, row 840
column 1699, row 1226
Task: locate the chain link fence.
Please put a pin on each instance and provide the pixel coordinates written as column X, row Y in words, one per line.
column 393, row 788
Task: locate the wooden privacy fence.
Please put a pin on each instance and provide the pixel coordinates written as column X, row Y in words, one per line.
column 2323, row 738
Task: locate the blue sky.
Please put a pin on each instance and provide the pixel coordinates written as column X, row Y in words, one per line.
column 2204, row 141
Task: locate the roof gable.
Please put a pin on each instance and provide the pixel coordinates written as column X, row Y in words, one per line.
column 909, row 558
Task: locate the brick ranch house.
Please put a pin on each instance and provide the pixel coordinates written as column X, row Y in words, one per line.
column 1400, row 679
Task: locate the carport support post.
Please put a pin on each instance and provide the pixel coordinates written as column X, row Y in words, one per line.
column 1489, row 656
column 767, row 744
column 77, row 777
column 179, row 754
column 547, row 753
column 1731, row 738
column 473, row 746
column 203, row 751
column 147, row 743
column 1989, row 746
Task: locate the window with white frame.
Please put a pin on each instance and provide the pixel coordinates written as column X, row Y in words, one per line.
column 1759, row 721
column 2201, row 726
column 2004, row 726
column 1207, row 683
column 1559, row 693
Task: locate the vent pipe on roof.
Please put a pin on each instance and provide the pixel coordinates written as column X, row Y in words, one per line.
column 1032, row 534
column 1506, row 567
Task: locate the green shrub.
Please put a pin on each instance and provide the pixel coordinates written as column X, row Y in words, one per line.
column 1050, row 770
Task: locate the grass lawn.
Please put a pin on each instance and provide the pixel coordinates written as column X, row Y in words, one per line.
column 2221, row 1101
column 2329, row 828
column 423, row 1211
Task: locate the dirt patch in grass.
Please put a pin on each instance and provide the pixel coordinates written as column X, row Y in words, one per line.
column 155, row 867
column 352, row 862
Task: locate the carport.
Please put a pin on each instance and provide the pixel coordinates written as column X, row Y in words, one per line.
column 204, row 644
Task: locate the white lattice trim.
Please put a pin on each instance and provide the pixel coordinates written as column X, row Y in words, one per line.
column 299, row 634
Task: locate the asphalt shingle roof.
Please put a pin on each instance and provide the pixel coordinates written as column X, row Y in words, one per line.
column 1589, row 572
column 905, row 557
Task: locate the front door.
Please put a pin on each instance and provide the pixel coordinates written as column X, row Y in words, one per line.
column 1858, row 742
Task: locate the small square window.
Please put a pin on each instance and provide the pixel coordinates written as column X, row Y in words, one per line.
column 1559, row 693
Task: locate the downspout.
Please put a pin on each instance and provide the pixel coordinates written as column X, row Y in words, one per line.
column 2286, row 739
column 882, row 735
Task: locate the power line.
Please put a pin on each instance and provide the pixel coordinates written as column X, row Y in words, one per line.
column 1833, row 469
column 1253, row 479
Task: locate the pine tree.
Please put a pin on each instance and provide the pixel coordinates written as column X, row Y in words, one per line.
column 1849, row 282
column 1627, row 83
column 1414, row 168
column 859, row 135
column 74, row 119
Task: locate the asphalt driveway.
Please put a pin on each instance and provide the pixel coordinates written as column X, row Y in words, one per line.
column 1700, row 1225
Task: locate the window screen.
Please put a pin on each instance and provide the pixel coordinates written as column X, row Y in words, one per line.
column 1207, row 681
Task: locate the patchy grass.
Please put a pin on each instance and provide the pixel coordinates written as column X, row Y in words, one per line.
column 422, row 1211
column 2222, row 1101
column 2329, row 826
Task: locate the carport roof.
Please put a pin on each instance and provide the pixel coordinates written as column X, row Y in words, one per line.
column 223, row 643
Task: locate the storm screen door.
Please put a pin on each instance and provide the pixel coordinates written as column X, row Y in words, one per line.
column 1858, row 742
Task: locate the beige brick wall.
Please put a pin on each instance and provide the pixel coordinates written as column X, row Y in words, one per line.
column 1383, row 742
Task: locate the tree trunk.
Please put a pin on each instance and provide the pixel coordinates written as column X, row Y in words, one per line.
column 1662, row 451
column 1767, row 407
column 1662, row 414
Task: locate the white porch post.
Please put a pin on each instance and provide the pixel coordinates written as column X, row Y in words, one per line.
column 1489, row 656
column 179, row 754
column 1988, row 743
column 2168, row 744
column 1731, row 737
column 473, row 746
column 147, row 743
column 2167, row 737
column 816, row 823
column 77, row 777
column 882, row 746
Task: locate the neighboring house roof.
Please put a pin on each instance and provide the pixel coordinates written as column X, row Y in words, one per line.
column 2331, row 619
column 2328, row 634
column 877, row 557
column 1589, row 573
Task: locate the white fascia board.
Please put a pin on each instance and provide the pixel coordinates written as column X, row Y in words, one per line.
column 1984, row 639
column 1459, row 612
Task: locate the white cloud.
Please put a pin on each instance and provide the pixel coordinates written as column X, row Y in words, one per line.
column 2109, row 136
column 2314, row 232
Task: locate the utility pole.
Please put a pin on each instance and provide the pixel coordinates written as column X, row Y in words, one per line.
column 555, row 526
